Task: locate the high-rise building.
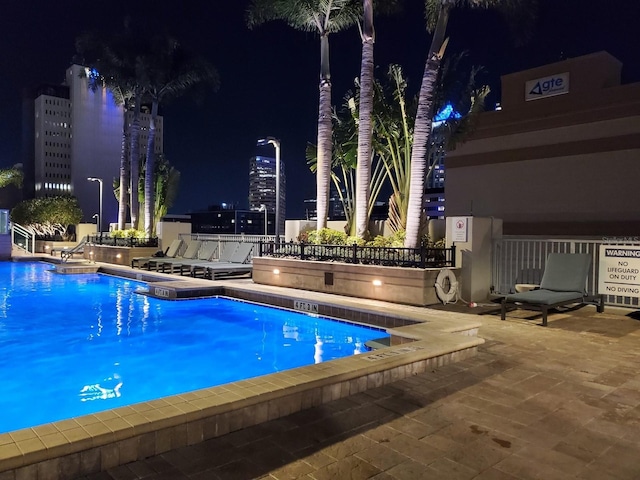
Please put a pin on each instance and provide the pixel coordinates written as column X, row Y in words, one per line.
column 262, row 186
column 72, row 132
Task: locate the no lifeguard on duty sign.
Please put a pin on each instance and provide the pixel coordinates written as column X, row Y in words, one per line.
column 619, row 272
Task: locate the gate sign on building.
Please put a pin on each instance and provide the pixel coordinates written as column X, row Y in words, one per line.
column 546, row 87
column 619, row 271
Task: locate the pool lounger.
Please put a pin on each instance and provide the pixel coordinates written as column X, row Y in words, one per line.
column 171, row 252
column 234, row 261
column 225, row 269
column 206, row 252
column 159, row 264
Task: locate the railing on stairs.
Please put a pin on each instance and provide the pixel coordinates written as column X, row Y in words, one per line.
column 23, row 238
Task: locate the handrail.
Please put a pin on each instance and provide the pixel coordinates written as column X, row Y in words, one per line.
column 29, row 238
column 66, row 254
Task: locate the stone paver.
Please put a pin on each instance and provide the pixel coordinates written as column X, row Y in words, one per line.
column 561, row 402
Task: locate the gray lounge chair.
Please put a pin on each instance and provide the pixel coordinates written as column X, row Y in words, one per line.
column 171, row 252
column 205, row 254
column 239, row 263
column 189, row 254
column 563, row 283
column 225, row 255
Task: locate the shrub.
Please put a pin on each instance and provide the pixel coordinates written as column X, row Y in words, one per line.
column 327, row 236
column 129, row 233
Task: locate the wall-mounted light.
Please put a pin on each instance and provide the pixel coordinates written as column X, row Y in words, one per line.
column 377, row 283
column 119, row 255
column 276, row 271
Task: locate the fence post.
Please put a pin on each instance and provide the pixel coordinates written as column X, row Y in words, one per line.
column 355, row 253
column 423, row 255
column 453, row 255
column 260, row 248
column 302, row 251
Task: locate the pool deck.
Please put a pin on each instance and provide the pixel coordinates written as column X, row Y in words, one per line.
column 536, row 403
column 423, row 340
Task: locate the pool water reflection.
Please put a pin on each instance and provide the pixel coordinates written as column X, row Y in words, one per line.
column 78, row 344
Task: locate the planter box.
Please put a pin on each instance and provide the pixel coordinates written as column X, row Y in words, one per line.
column 410, row 286
column 116, row 255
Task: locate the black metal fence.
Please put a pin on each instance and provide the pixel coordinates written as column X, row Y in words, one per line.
column 423, row 257
column 123, row 241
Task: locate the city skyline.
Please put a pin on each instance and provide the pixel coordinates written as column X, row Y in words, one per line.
column 269, row 76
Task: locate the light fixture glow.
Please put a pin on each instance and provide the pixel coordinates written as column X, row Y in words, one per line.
column 377, row 283
column 276, row 271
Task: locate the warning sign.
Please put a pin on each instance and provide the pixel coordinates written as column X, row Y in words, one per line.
column 619, row 271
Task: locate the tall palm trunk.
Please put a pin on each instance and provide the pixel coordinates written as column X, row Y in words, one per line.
column 323, row 174
column 149, row 198
column 125, row 170
column 422, row 130
column 134, row 151
column 365, row 127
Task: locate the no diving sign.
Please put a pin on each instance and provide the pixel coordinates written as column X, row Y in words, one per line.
column 619, row 271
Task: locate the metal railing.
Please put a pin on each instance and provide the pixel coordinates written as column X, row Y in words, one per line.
column 423, row 257
column 23, row 238
column 223, row 239
column 122, row 241
column 522, row 260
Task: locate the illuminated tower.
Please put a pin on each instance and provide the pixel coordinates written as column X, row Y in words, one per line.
column 262, row 186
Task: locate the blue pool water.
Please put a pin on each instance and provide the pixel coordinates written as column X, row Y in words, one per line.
column 77, row 344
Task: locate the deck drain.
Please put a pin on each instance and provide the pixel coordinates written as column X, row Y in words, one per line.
column 392, row 353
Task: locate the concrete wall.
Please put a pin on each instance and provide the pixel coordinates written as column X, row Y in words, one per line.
column 474, row 255
column 411, row 286
column 169, row 231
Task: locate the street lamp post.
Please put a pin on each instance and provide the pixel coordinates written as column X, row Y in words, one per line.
column 99, row 223
column 264, row 207
column 276, row 144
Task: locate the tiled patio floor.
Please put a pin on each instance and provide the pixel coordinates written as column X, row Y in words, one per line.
column 561, row 402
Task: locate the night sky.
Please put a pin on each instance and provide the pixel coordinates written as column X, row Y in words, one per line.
column 269, row 75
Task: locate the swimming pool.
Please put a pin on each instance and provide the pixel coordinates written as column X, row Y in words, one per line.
column 78, row 344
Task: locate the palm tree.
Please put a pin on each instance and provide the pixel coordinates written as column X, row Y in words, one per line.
column 365, row 127
column 437, row 14
column 167, row 72
column 322, row 17
column 165, row 180
column 344, row 164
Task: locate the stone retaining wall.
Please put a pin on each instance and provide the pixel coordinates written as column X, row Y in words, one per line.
column 410, row 286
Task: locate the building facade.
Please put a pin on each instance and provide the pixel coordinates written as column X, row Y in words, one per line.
column 71, row 133
column 561, row 157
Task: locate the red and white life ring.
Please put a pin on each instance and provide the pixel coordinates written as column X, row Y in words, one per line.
column 446, row 286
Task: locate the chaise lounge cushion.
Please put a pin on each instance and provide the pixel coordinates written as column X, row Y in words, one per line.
column 544, row 297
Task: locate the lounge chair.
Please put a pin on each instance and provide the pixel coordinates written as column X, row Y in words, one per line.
column 171, row 252
column 238, row 264
column 205, row 254
column 225, row 255
column 189, row 254
column 563, row 283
